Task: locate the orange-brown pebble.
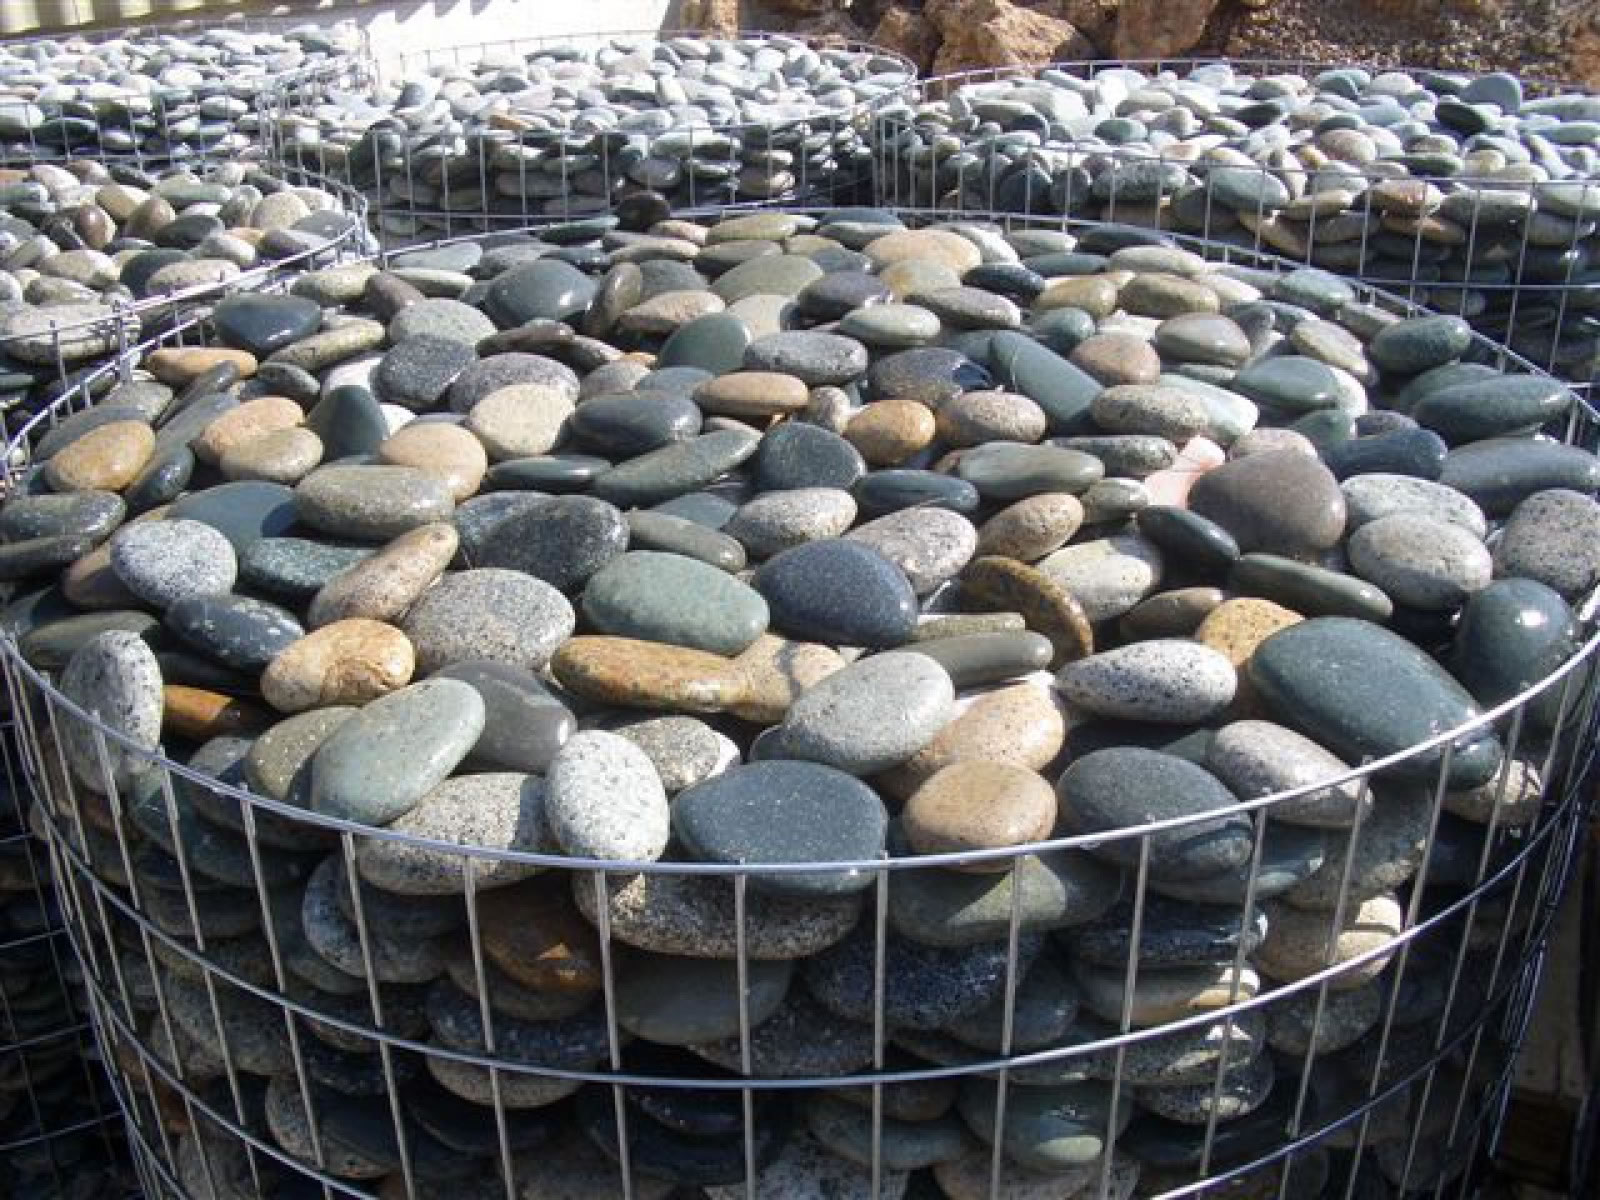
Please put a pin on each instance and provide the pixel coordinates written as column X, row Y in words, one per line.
column 182, row 365
column 106, row 459
column 347, row 662
column 979, row 805
column 251, row 420
column 890, row 431
column 199, row 714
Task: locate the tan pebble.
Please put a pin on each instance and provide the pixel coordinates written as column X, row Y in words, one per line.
column 105, row 459
column 182, row 365
column 521, row 420
column 979, row 805
column 913, row 276
column 668, row 312
column 925, row 245
column 383, row 587
column 1021, row 724
column 1166, row 995
column 251, row 420
column 200, row 715
column 91, row 583
column 752, row 394
column 891, row 431
column 445, row 451
column 1045, row 604
column 1114, row 358
column 283, row 456
column 638, row 674
column 1095, row 294
column 1301, row 943
column 347, row 662
column 1236, row 627
column 977, row 417
column 532, row 932
column 1157, row 294
column 1032, row 527
column 772, row 672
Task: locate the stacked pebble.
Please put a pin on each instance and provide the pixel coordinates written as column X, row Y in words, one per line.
column 1454, row 188
column 57, row 1114
column 85, row 244
column 153, row 95
column 809, row 540
column 570, row 128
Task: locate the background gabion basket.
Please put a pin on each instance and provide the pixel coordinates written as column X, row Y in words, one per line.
column 1475, row 195
column 489, row 136
column 61, row 1131
column 278, row 1020
column 164, row 93
column 56, row 326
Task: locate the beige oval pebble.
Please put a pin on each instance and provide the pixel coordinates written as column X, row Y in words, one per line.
column 977, row 417
column 1033, row 527
column 979, row 805
column 772, row 672
column 1301, row 943
column 182, row 365
column 1166, row 995
column 283, row 456
column 1020, row 724
column 443, row 450
column 347, row 662
column 752, row 394
column 521, row 420
column 1095, row 294
column 105, row 459
column 925, row 245
column 251, row 420
column 1114, row 358
column 1236, row 627
column 891, row 431
column 383, row 587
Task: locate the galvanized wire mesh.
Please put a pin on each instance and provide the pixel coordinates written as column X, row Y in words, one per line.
column 398, row 1056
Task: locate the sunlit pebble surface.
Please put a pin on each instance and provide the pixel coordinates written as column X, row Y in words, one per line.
column 809, row 539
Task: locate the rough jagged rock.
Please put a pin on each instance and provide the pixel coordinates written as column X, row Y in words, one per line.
column 1160, row 28
column 909, row 33
column 712, row 16
column 993, row 33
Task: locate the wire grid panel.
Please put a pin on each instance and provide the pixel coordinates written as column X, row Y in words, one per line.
column 157, row 94
column 277, row 1021
column 44, row 347
column 436, row 157
column 60, row 1126
column 1450, row 219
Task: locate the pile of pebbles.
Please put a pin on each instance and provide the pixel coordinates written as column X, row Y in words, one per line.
column 809, row 540
column 1449, row 187
column 156, row 95
column 571, row 128
column 85, row 246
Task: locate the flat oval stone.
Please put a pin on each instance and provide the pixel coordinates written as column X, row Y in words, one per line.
column 497, row 811
column 371, row 503
column 347, row 662
column 1412, row 346
column 838, row 591
column 1258, row 758
column 524, row 722
column 1300, row 944
column 295, row 568
column 86, row 514
column 674, row 1001
column 1419, row 561
column 378, row 765
column 1500, row 473
column 1368, row 497
column 1107, row 576
column 1289, row 383
column 1365, row 692
column 842, row 722
column 163, row 562
column 546, row 288
column 1512, row 634
column 1554, row 537
column 1124, row 787
column 790, row 812
column 1278, row 502
column 263, row 324
column 1188, row 537
column 815, row 358
column 604, row 800
column 418, row 372
column 676, row 469
column 1048, row 1129
column 795, row 455
column 115, row 677
column 238, row 631
column 243, row 512
column 106, row 458
column 974, row 659
column 930, row 545
column 669, row 598
column 1165, row 680
column 1305, row 588
column 489, row 613
column 942, row 818
column 1009, row 471
column 1467, row 412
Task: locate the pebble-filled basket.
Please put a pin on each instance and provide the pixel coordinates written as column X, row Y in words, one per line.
column 490, row 136
column 1475, row 195
column 61, row 1131
column 1308, row 983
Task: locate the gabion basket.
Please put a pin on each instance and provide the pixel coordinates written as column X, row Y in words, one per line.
column 43, row 347
column 429, row 172
column 1440, row 217
column 61, row 1133
column 249, row 1064
column 183, row 113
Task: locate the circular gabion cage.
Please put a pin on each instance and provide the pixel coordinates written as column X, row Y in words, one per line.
column 170, row 93
column 75, row 304
column 60, row 1128
column 1474, row 195
column 491, row 136
column 293, row 1001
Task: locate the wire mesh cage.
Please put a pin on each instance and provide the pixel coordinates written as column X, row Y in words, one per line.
column 502, row 134
column 1474, row 195
column 102, row 254
column 180, row 92
column 60, row 1127
column 1293, row 991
